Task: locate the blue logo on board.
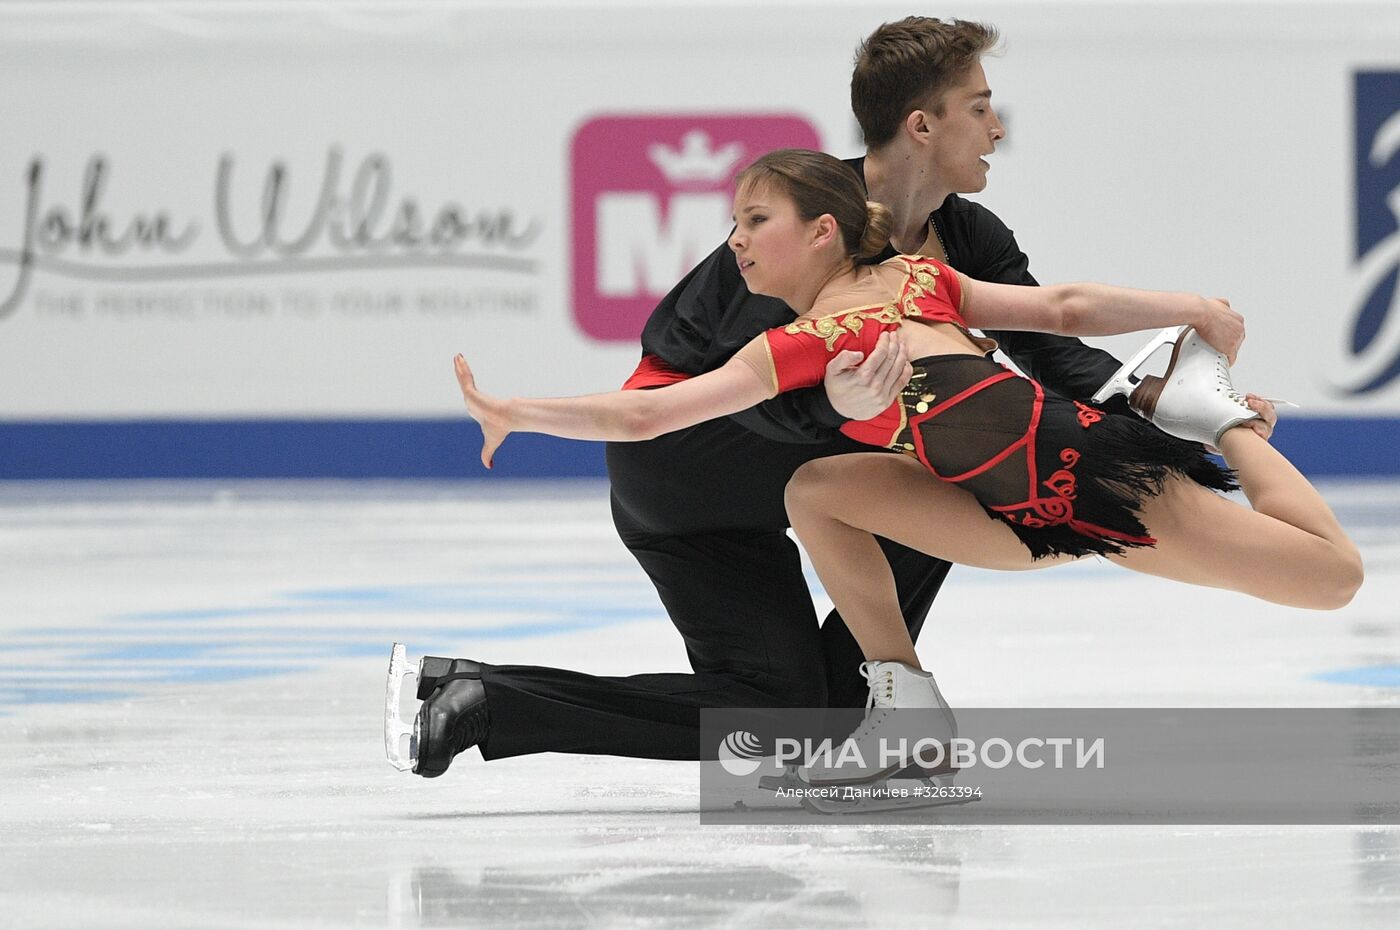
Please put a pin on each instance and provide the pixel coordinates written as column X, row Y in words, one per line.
column 1373, row 336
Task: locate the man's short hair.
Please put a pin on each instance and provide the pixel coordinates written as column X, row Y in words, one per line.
column 910, row 65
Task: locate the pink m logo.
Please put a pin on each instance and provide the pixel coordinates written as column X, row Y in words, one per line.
column 651, row 197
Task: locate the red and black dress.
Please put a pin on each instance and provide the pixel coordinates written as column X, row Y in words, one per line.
column 1066, row 476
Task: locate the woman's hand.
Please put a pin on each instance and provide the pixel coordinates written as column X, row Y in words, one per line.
column 1221, row 326
column 1269, row 416
column 491, row 412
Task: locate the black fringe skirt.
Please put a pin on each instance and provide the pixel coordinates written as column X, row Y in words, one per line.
column 1067, row 477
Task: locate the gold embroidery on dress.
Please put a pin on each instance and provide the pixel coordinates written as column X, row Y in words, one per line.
column 917, row 397
column 831, row 328
column 923, row 281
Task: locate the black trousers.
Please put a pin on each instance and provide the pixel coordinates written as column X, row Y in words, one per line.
column 702, row 511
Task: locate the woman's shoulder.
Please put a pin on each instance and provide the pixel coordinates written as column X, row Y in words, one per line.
column 913, row 266
column 924, row 284
column 906, row 261
column 899, row 266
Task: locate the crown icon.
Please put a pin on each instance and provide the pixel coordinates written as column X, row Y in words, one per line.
column 694, row 161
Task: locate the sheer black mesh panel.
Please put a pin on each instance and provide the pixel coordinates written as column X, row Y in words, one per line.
column 977, row 428
column 1112, row 463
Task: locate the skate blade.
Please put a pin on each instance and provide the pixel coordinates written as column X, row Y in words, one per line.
column 847, row 808
column 395, row 727
column 791, row 778
column 910, row 772
column 1125, row 379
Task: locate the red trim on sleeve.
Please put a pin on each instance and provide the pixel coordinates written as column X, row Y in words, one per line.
column 653, row 372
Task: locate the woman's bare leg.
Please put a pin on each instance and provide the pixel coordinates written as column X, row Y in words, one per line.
column 836, row 504
column 1289, row 549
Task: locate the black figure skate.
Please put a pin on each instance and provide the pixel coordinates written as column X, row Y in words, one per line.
column 452, row 718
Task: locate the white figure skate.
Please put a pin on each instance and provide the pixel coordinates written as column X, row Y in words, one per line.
column 925, row 717
column 1126, row 380
column 1196, row 398
column 857, row 776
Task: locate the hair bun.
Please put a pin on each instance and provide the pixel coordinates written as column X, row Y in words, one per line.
column 879, row 222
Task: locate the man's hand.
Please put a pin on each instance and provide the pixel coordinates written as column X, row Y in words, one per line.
column 862, row 389
column 1221, row 326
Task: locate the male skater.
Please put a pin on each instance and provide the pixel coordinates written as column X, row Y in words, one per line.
column 702, row 509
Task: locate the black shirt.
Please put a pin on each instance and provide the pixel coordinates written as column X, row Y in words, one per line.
column 710, row 315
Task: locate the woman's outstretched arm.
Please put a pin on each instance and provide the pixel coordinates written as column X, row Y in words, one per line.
column 1099, row 310
column 624, row 416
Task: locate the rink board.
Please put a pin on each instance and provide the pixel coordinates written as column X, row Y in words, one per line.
column 450, row 448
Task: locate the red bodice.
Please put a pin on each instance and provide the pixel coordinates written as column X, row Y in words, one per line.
column 800, row 351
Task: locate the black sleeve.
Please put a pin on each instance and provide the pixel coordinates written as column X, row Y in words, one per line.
column 708, row 317
column 804, row 415
column 1061, row 363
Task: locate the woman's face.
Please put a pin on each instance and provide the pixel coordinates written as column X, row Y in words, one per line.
column 772, row 244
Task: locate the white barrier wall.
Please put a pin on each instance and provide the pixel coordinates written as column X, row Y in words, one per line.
column 213, row 212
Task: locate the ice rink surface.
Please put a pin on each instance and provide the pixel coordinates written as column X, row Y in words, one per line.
column 191, row 708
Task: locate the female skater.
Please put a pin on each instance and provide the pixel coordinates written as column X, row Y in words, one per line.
column 1060, row 479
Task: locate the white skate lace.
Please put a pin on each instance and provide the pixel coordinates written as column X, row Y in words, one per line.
column 881, row 685
column 1224, row 384
column 880, row 699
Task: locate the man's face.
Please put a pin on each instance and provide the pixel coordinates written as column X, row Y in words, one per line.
column 965, row 134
